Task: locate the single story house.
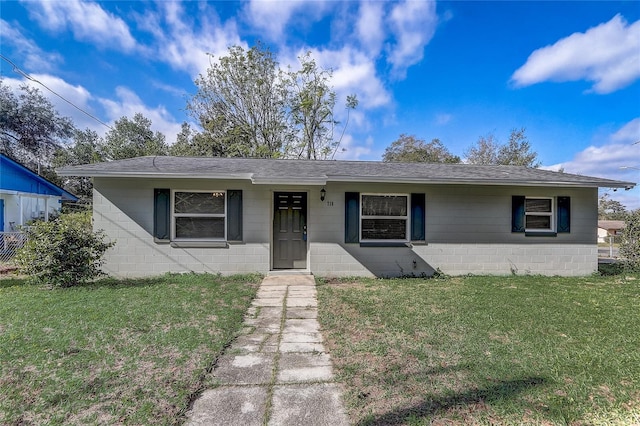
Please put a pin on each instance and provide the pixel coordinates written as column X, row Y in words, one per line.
column 342, row 218
column 25, row 196
column 608, row 228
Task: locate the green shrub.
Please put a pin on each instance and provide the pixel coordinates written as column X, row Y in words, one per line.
column 63, row 252
column 630, row 241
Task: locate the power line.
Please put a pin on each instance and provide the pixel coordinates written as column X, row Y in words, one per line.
column 28, row 77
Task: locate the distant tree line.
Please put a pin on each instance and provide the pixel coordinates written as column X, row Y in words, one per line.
column 487, row 150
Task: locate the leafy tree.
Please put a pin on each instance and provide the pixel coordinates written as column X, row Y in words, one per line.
column 409, row 149
column 64, row 252
column 240, row 104
column 516, row 152
column 31, row 130
column 311, row 102
column 247, row 106
column 190, row 143
column 86, row 149
column 609, row 209
column 133, row 138
column 630, row 241
column 485, row 151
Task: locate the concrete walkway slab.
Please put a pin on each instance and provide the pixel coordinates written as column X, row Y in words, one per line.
column 297, row 302
column 277, row 371
column 315, row 404
column 246, row 369
column 305, row 367
column 303, row 325
column 300, row 313
column 301, row 337
column 230, row 406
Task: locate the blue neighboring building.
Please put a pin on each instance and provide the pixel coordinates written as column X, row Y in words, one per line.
column 25, row 196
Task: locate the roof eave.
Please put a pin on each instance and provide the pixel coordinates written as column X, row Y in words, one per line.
column 158, row 175
column 322, row 179
column 503, row 182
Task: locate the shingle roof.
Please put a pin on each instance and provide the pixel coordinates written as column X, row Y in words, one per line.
column 316, row 172
column 611, row 224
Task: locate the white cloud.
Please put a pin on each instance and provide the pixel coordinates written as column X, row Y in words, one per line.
column 87, row 20
column 608, row 161
column 629, row 133
column 443, row 118
column 354, row 72
column 184, row 43
column 349, row 150
column 369, row 27
column 31, row 55
column 413, row 24
column 129, row 103
column 77, row 95
column 607, row 55
column 271, row 17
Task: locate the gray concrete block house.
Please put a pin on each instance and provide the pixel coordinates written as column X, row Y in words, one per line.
column 342, row 218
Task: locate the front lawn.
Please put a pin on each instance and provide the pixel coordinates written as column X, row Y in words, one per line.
column 114, row 352
column 486, row 350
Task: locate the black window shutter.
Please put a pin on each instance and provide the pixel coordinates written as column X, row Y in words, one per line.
column 161, row 213
column 351, row 217
column 517, row 213
column 234, row 215
column 417, row 217
column 564, row 214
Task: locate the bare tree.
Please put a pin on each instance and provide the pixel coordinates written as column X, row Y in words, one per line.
column 311, row 103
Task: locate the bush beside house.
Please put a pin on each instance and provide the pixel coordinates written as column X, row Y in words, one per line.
column 63, row 252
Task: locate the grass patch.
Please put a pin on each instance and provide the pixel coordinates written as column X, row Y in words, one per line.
column 486, row 350
column 114, row 352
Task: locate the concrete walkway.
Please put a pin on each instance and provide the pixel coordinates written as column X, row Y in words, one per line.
column 277, row 372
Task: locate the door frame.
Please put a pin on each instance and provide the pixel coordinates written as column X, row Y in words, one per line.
column 272, row 205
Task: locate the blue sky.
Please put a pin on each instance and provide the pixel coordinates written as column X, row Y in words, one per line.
column 569, row 72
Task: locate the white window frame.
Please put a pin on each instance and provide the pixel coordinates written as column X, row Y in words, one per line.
column 406, row 217
column 174, row 215
column 551, row 214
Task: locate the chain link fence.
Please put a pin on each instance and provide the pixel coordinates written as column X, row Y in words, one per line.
column 610, row 247
column 10, row 242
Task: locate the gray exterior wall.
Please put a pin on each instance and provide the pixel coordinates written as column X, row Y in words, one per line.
column 468, row 230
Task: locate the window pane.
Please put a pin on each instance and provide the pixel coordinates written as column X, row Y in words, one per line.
column 384, row 229
column 384, row 205
column 538, row 222
column 200, row 227
column 199, row 202
column 535, row 205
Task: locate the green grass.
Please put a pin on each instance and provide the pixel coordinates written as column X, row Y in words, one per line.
column 114, row 352
column 486, row 350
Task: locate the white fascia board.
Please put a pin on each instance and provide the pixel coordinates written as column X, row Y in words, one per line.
column 382, row 179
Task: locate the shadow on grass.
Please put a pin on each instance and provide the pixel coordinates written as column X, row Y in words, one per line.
column 611, row 269
column 436, row 405
column 7, row 282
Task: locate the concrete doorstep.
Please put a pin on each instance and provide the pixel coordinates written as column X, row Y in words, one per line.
column 277, row 372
